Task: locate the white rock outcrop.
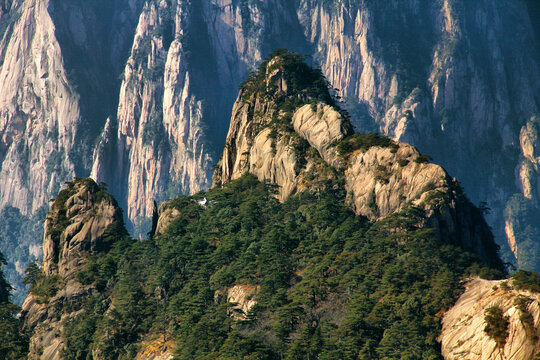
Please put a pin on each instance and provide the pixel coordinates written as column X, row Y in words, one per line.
column 242, row 298
column 463, row 335
column 440, row 75
column 175, row 93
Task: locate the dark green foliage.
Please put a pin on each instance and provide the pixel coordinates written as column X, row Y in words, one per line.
column 41, row 286
column 331, row 284
column 154, row 132
column 526, row 318
column 300, row 147
column 77, row 337
column 526, row 280
column 32, row 273
column 13, row 345
column 496, row 325
column 5, row 287
column 303, row 81
column 363, row 142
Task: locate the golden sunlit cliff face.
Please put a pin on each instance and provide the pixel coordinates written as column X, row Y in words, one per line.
column 463, row 335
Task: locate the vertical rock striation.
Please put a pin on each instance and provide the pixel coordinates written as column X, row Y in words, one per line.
column 56, row 65
column 446, row 77
column 441, row 75
column 59, row 66
column 176, row 91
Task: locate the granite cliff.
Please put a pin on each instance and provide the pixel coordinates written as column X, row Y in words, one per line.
column 463, row 335
column 59, row 64
column 178, row 84
column 288, row 131
column 299, row 139
column 138, row 93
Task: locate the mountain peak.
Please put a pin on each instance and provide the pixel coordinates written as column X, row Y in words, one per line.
column 76, row 226
column 287, row 74
column 287, row 129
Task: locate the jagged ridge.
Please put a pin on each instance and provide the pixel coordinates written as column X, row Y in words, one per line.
column 290, row 132
column 236, row 243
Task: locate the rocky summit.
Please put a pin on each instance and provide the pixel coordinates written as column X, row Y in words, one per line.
column 294, row 178
column 83, row 221
column 137, row 94
column 295, row 138
column 309, row 222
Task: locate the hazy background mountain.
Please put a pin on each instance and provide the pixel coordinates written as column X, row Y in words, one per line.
column 139, row 94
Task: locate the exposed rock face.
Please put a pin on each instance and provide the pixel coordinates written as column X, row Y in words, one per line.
column 176, row 88
column 322, row 126
column 447, row 91
column 39, row 110
column 166, row 217
column 463, row 335
column 522, row 209
column 45, row 91
column 243, row 298
column 380, row 179
column 404, row 68
column 59, row 65
column 155, row 355
column 249, row 151
column 76, row 227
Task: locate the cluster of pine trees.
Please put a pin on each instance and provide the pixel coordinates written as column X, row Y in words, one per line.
column 330, row 284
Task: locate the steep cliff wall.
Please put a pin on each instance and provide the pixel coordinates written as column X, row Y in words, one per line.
column 59, row 64
column 58, row 71
column 441, row 75
column 176, row 92
column 403, row 67
column 39, row 109
column 445, row 77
